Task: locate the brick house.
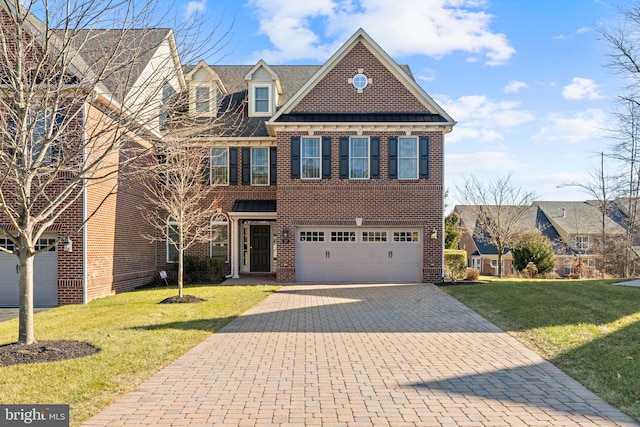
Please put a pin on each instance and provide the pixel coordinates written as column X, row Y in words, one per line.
column 336, row 174
column 330, row 173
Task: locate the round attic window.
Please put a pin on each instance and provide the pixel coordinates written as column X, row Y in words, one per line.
column 360, row 81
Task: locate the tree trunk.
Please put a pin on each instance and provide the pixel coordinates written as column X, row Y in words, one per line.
column 180, row 271
column 26, row 333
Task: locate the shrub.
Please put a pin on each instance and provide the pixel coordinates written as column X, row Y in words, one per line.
column 455, row 262
column 472, row 274
column 198, row 269
column 534, row 248
column 530, row 270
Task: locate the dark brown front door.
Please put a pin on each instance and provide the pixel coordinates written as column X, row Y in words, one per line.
column 260, row 250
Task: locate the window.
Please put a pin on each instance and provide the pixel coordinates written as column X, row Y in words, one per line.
column 220, row 166
column 220, row 237
column 7, row 244
column 406, row 236
column 374, row 236
column 359, row 157
column 582, row 242
column 44, row 242
column 261, row 99
column 168, row 94
column 310, row 158
column 407, row 158
column 43, row 129
column 360, row 82
column 203, row 98
column 259, row 166
column 312, row 236
column 343, row 236
column 172, row 240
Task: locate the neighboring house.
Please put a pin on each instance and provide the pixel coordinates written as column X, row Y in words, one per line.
column 573, row 228
column 107, row 255
column 329, row 173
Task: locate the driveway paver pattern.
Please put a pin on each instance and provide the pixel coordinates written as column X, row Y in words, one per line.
column 360, row 355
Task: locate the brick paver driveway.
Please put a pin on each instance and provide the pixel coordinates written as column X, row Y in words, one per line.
column 360, row 355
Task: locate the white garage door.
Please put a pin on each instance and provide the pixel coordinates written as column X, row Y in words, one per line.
column 45, row 276
column 362, row 255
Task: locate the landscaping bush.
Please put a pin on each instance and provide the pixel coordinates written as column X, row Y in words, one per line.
column 472, row 274
column 533, row 248
column 199, row 269
column 455, row 262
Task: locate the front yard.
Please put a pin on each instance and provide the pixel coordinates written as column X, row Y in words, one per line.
column 588, row 328
column 136, row 336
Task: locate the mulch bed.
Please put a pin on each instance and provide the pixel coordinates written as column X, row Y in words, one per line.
column 44, row 351
column 186, row 299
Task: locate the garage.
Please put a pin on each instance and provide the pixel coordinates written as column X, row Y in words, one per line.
column 361, row 255
column 45, row 276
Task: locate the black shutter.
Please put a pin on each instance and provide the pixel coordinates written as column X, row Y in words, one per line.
column 295, row 157
column 206, row 169
column 233, row 166
column 326, row 157
column 273, row 162
column 344, row 157
column 393, row 157
column 424, row 157
column 374, row 159
column 246, row 166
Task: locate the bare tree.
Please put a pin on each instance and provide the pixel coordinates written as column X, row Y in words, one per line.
column 498, row 207
column 184, row 198
column 79, row 113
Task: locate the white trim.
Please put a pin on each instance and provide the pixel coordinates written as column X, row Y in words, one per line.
column 216, row 222
column 268, row 166
column 252, row 99
column 85, row 260
column 315, row 138
column 417, row 164
column 211, row 156
column 368, row 168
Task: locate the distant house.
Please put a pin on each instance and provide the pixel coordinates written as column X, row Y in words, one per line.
column 573, row 228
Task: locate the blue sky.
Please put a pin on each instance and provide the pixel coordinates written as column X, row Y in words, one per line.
column 526, row 80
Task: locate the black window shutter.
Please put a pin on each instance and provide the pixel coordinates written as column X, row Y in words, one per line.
column 295, row 157
column 273, row 162
column 344, row 157
column 374, row 159
column 393, row 157
column 326, row 157
column 206, row 169
column 424, row 157
column 246, row 166
column 233, row 166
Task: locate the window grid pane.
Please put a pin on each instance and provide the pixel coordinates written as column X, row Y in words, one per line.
column 312, row 236
column 310, row 158
column 219, row 166
column 408, row 158
column 202, row 99
column 259, row 166
column 374, row 236
column 220, row 240
column 358, row 158
column 261, row 99
column 343, row 236
column 172, row 236
column 406, row 236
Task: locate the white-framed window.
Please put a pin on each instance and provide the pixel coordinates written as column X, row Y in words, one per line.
column 374, row 236
column 261, row 96
column 172, row 236
column 359, row 157
column 343, row 236
column 168, row 95
column 310, row 157
column 582, row 242
column 407, row 157
column 220, row 166
column 42, row 123
column 220, row 237
column 406, row 236
column 203, row 99
column 259, row 166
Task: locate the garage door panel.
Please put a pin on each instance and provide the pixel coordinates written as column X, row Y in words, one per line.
column 362, row 255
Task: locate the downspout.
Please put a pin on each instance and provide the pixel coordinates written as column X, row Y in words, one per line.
column 85, row 263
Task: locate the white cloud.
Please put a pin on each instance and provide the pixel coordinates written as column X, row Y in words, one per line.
column 514, row 86
column 581, row 88
column 481, row 119
column 194, row 7
column 300, row 29
column 572, row 129
column 481, row 161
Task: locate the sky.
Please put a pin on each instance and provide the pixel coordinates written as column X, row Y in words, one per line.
column 527, row 81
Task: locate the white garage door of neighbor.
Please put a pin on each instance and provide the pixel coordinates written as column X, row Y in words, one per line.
column 45, row 276
column 367, row 255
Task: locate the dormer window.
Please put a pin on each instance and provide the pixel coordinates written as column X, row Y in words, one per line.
column 263, row 88
column 261, row 99
column 203, row 99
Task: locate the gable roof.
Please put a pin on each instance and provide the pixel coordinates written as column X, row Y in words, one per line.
column 360, row 36
column 572, row 218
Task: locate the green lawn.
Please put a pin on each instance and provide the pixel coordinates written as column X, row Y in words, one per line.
column 588, row 328
column 136, row 335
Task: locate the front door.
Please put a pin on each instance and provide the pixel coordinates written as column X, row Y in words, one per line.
column 260, row 248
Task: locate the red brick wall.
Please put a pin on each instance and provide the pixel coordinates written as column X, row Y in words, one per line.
column 335, row 94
